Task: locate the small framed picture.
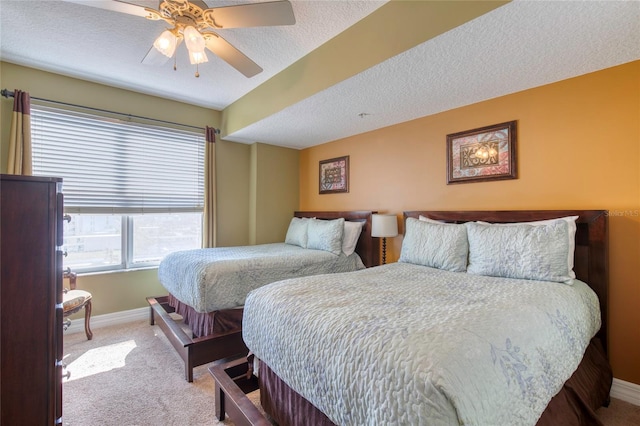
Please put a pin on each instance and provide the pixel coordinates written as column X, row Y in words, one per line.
column 483, row 154
column 334, row 175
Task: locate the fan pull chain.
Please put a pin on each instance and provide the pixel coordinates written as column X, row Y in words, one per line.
column 197, row 71
column 175, row 65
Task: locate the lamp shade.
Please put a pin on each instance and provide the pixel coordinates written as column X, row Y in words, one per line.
column 197, row 57
column 193, row 39
column 166, row 43
column 384, row 225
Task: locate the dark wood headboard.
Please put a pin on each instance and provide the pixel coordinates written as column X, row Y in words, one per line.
column 368, row 247
column 592, row 246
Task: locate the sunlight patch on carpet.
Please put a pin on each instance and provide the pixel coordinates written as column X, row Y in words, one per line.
column 100, row 360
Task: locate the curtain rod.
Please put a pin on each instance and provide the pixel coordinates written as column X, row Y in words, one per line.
column 8, row 94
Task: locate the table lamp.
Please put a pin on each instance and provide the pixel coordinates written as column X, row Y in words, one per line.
column 383, row 226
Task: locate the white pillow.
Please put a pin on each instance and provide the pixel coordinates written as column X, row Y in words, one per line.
column 350, row 236
column 441, row 222
column 437, row 245
column 325, row 235
column 571, row 235
column 297, row 232
column 519, row 251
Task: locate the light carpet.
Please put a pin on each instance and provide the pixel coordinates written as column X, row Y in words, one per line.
column 130, row 375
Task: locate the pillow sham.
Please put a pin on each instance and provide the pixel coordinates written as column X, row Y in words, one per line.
column 325, row 235
column 519, row 251
column 297, row 232
column 437, row 245
column 571, row 235
column 350, row 236
column 428, row 219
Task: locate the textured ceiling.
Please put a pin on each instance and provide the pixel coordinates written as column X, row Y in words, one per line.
column 107, row 47
column 517, row 46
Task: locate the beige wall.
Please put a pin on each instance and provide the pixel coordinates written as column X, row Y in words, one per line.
column 118, row 291
column 233, row 180
column 578, row 147
column 275, row 186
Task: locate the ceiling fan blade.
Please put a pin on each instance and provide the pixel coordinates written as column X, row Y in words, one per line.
column 114, row 5
column 201, row 4
column 231, row 55
column 253, row 15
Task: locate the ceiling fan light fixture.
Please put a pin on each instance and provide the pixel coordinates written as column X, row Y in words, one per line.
column 197, row 57
column 193, row 39
column 195, row 44
column 192, row 21
column 166, row 43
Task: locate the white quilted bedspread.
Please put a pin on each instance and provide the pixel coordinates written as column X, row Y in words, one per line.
column 411, row 345
column 220, row 278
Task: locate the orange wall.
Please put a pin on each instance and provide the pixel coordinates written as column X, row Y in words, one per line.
column 578, row 148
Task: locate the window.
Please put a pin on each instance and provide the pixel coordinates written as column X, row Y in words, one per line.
column 135, row 192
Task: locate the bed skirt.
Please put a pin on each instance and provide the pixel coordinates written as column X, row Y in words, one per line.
column 204, row 324
column 585, row 391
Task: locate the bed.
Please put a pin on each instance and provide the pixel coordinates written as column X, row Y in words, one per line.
column 444, row 357
column 206, row 287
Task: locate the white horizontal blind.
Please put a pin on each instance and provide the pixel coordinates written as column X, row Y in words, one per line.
column 113, row 166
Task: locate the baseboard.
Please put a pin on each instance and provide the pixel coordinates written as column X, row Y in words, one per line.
column 106, row 320
column 625, row 391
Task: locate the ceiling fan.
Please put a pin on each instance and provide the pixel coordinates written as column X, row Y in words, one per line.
column 195, row 23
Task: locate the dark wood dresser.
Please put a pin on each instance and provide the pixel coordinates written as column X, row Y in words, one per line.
column 30, row 300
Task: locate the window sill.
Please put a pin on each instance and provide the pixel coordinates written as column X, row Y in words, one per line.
column 115, row 271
